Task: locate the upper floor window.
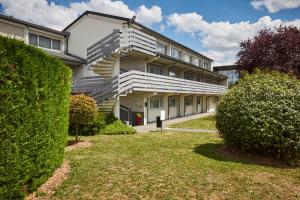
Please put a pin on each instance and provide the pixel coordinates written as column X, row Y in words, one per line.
column 188, row 76
column 206, row 65
column 185, row 57
column 175, row 53
column 44, row 42
column 161, row 48
column 190, row 59
column 156, row 70
column 196, row 62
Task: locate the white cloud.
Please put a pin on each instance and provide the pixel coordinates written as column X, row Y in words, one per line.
column 149, row 16
column 221, row 39
column 274, row 6
column 58, row 16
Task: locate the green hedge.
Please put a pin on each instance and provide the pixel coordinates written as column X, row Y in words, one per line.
column 34, row 111
column 262, row 114
column 117, row 128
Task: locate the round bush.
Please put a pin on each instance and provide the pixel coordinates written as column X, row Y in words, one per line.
column 262, row 114
column 83, row 110
column 34, row 112
column 91, row 128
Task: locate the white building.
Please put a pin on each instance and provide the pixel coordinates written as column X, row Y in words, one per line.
column 128, row 68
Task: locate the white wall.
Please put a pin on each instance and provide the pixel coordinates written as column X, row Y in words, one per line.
column 89, row 30
column 138, row 64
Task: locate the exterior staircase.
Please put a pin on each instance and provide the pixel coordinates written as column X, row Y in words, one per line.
column 102, row 58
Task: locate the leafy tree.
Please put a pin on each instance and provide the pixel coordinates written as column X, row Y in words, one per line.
column 277, row 49
column 83, row 110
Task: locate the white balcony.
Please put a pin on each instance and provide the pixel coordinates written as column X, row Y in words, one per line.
column 141, row 81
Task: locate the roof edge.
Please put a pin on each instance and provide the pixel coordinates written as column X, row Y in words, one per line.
column 19, row 21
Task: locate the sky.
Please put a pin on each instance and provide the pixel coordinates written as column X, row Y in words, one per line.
column 213, row 27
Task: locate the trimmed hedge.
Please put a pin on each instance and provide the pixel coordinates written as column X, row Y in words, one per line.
column 262, row 114
column 34, row 113
column 118, row 128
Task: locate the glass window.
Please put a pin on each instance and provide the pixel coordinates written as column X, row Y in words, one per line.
column 175, row 53
column 161, row 48
column 156, row 103
column 196, row 62
column 185, row 57
column 188, row 101
column 44, row 42
column 188, row 76
column 155, row 70
column 55, row 44
column 190, row 59
column 172, row 102
column 33, row 39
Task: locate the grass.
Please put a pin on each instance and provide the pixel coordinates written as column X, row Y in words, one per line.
column 170, row 165
column 206, row 123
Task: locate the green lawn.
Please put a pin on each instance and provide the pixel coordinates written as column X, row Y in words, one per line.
column 207, row 123
column 170, row 166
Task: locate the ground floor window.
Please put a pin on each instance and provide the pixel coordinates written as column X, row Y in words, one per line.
column 156, row 103
column 188, row 101
column 172, row 101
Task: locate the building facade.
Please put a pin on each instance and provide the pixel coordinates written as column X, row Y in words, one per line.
column 131, row 70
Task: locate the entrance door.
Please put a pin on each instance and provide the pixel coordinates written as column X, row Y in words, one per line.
column 188, row 103
column 173, row 107
column 155, row 106
column 199, row 104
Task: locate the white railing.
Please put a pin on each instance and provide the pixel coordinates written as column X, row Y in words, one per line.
column 127, row 38
column 141, row 81
column 137, row 40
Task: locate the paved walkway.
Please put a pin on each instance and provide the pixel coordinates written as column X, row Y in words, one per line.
column 152, row 126
column 190, row 130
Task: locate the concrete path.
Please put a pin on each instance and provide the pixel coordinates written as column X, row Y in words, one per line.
column 152, row 126
column 190, row 130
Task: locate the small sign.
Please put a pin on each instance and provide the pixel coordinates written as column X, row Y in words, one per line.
column 162, row 115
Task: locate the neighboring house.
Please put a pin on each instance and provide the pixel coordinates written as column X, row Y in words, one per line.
column 52, row 41
column 134, row 71
column 230, row 71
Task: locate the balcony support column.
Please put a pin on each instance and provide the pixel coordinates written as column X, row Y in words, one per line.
column 116, row 109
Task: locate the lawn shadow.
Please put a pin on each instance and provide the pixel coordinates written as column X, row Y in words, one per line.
column 223, row 153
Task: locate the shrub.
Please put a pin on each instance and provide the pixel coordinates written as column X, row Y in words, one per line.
column 91, row 128
column 262, row 114
column 83, row 110
column 34, row 109
column 118, row 128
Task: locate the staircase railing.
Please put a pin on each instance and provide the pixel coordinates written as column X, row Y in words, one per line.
column 104, row 47
column 96, row 87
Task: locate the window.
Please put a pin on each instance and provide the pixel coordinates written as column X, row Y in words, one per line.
column 172, row 73
column 188, row 101
column 155, row 70
column 175, row 53
column 33, row 39
column 161, row 48
column 56, row 44
column 185, row 58
column 156, row 103
column 196, row 62
column 190, row 59
column 172, row 102
column 44, row 42
column 188, row 76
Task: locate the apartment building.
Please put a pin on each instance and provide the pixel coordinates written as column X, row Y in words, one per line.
column 131, row 70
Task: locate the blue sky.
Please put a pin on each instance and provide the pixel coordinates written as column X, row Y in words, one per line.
column 213, row 27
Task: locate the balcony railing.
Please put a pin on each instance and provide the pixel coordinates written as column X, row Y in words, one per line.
column 141, row 81
column 127, row 39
